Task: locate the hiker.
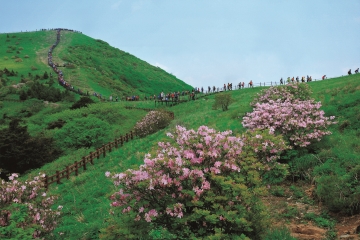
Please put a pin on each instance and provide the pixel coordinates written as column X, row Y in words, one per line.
column 250, row 83
column 357, row 70
column 323, row 77
column 224, row 87
column 349, row 72
column 281, row 81
column 297, row 79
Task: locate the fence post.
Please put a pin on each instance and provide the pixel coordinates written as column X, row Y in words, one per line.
column 104, row 150
column 121, row 140
column 91, row 158
column 76, row 168
column 116, row 143
column 131, row 135
column 46, row 180
column 97, row 153
column 84, row 162
column 127, row 137
column 67, row 172
column 110, row 146
column 57, row 177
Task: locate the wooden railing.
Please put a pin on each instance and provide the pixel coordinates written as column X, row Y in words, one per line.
column 89, row 159
column 74, row 168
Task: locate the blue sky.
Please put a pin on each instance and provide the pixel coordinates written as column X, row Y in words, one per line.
column 211, row 42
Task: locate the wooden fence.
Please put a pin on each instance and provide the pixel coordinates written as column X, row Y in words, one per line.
column 89, row 159
column 74, row 168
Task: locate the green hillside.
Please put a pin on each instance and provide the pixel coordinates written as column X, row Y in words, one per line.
column 91, row 65
column 86, row 198
column 320, row 194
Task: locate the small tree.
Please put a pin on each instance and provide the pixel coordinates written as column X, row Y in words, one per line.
column 222, row 100
column 23, row 95
column 45, row 76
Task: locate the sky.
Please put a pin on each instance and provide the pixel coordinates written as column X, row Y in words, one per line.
column 211, row 42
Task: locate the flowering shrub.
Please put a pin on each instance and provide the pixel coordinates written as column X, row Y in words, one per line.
column 289, row 92
column 151, row 123
column 26, row 210
column 203, row 183
column 300, row 121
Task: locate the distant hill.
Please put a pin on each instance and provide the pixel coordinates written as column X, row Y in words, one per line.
column 92, row 65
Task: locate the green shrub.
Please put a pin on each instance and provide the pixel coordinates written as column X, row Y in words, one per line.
column 83, row 133
column 280, row 233
column 20, row 152
column 222, row 100
column 83, row 102
column 278, row 191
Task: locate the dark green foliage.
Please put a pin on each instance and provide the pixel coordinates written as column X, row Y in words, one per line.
column 42, row 92
column 20, row 152
column 46, row 75
column 83, row 102
column 23, row 95
column 222, row 100
column 57, row 124
column 83, row 133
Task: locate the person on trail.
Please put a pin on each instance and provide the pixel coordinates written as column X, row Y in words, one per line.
column 357, row 70
column 224, row 87
column 349, row 72
column 292, row 79
column 251, row 83
column 281, row 81
column 323, row 77
column 297, row 79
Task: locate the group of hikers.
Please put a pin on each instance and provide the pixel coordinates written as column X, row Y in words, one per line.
column 171, row 96
column 292, row 80
column 55, row 66
column 356, row 71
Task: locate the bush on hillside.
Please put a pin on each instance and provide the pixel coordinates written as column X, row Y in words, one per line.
column 289, row 92
column 201, row 184
column 83, row 133
column 222, row 100
column 299, row 121
column 83, row 102
column 152, row 122
column 20, row 152
column 25, row 210
column 290, row 111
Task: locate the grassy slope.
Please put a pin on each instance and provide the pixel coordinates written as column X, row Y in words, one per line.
column 18, row 45
column 99, row 67
column 85, row 198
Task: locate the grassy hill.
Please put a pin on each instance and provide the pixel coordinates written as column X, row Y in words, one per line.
column 322, row 182
column 85, row 198
column 93, row 65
